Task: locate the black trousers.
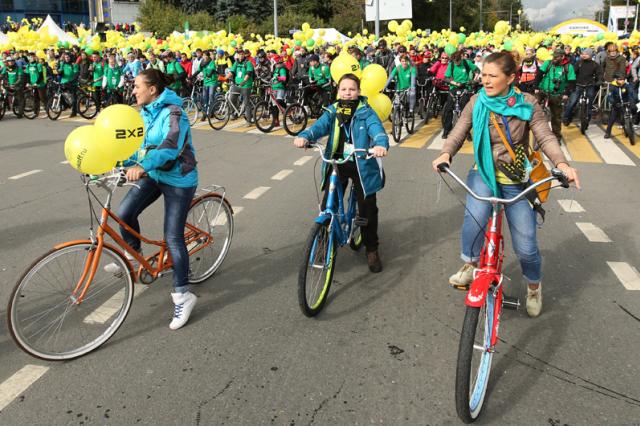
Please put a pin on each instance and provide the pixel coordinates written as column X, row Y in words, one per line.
column 447, row 111
column 616, row 114
column 367, row 206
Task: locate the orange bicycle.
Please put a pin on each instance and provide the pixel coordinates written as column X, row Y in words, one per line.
column 67, row 304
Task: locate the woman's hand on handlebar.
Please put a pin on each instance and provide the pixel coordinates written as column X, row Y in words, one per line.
column 570, row 172
column 442, row 158
column 135, row 173
column 300, row 142
column 379, row 151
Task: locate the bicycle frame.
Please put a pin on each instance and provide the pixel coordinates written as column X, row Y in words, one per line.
column 162, row 257
column 341, row 224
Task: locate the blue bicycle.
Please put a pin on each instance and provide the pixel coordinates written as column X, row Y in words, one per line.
column 333, row 228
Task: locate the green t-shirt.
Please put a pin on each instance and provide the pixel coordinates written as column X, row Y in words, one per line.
column 69, row 72
column 175, row 70
column 280, row 71
column 98, row 73
column 112, row 75
column 36, row 73
column 403, row 76
column 14, row 76
column 459, row 73
column 320, row 74
column 364, row 63
column 562, row 73
column 240, row 70
column 210, row 73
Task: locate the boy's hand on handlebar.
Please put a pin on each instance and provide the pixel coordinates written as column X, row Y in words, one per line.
column 442, row 158
column 571, row 173
column 300, row 142
column 379, row 151
column 135, row 173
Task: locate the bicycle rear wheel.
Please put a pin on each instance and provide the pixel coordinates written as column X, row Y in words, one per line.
column 316, row 273
column 31, row 107
column 212, row 215
column 87, row 107
column 396, row 121
column 265, row 120
column 219, row 116
column 54, row 107
column 45, row 321
column 628, row 129
column 474, row 360
column 295, row 119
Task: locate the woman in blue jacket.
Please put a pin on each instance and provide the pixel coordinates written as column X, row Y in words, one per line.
column 352, row 124
column 164, row 165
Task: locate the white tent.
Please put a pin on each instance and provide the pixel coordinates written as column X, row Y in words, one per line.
column 3, row 38
column 50, row 27
column 331, row 35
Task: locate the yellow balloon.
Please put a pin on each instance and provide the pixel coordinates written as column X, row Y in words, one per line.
column 305, row 26
column 344, row 64
column 381, row 104
column 407, row 23
column 374, row 77
column 85, row 152
column 393, row 26
column 121, row 131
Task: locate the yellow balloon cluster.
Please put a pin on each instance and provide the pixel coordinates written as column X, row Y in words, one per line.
column 117, row 133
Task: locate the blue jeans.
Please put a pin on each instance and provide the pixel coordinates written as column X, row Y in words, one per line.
column 176, row 205
column 208, row 96
column 573, row 101
column 522, row 224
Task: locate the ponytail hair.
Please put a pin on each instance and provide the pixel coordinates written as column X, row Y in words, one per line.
column 156, row 78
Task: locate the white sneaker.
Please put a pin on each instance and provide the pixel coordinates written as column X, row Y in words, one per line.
column 184, row 303
column 114, row 268
column 463, row 278
column 534, row 301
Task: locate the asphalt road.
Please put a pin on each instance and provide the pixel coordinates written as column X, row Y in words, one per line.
column 384, row 349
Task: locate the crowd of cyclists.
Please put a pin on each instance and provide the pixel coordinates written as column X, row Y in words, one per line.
column 437, row 82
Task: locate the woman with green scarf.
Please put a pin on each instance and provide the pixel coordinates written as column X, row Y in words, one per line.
column 495, row 173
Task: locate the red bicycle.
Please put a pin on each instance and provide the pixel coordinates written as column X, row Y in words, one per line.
column 484, row 303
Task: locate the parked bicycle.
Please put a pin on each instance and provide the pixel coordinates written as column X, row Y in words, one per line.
column 60, row 98
column 334, row 227
column 223, row 109
column 294, row 119
column 484, row 303
column 66, row 304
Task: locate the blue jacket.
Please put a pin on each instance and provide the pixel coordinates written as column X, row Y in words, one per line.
column 618, row 94
column 167, row 129
column 366, row 131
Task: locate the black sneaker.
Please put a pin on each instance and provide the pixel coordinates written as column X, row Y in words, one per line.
column 607, row 135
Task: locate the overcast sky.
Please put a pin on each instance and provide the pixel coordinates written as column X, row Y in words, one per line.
column 544, row 14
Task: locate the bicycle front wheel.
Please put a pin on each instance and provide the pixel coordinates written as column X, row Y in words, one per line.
column 219, row 116
column 316, row 273
column 191, row 109
column 265, row 120
column 474, row 360
column 295, row 119
column 87, row 107
column 397, row 125
column 411, row 122
column 54, row 107
column 628, row 129
column 45, row 319
column 212, row 215
column 584, row 118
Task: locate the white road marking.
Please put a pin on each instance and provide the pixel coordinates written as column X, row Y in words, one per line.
column 593, row 233
column 241, row 123
column 64, row 162
column 11, row 388
column 282, row 174
column 566, row 152
column 303, row 160
column 438, row 142
column 627, row 274
column 237, row 209
column 571, row 206
column 25, row 174
column 609, row 151
column 112, row 306
column 256, row 193
column 256, row 132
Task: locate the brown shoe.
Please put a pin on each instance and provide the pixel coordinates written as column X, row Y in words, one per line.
column 373, row 259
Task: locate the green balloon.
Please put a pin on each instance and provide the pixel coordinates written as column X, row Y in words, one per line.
column 462, row 38
column 600, row 36
column 547, row 42
column 410, row 37
column 88, row 51
column 310, row 42
column 233, row 43
column 508, row 45
column 449, row 49
column 298, row 42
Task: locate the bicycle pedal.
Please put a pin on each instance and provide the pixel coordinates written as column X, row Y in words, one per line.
column 509, row 302
column 360, row 221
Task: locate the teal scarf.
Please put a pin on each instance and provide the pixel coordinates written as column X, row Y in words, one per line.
column 481, row 140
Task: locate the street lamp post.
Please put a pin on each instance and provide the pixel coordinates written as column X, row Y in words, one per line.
column 275, row 18
column 377, row 18
column 480, row 15
column 451, row 14
column 520, row 17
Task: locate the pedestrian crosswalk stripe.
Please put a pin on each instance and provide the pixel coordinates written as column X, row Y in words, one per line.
column 593, row 233
column 627, row 274
column 19, row 382
column 579, row 146
column 609, row 151
column 420, row 138
column 620, row 137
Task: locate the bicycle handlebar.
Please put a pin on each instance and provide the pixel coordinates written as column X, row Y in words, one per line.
column 556, row 174
column 320, row 148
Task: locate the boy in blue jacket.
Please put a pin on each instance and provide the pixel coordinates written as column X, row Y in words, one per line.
column 621, row 91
